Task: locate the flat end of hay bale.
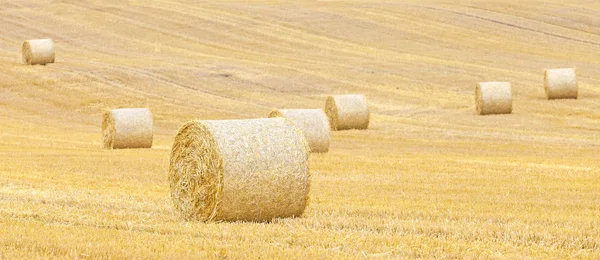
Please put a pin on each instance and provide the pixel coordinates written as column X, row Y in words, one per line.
column 561, row 83
column 195, row 173
column 275, row 113
column 26, row 51
column 331, row 112
column 493, row 98
column 108, row 129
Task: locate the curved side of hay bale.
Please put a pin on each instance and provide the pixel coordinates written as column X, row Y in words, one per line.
column 313, row 124
column 38, row 51
column 127, row 128
column 493, row 98
column 253, row 170
column 560, row 83
column 347, row 112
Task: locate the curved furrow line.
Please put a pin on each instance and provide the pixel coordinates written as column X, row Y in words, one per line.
column 329, row 76
column 248, row 33
column 172, row 101
column 289, row 67
column 162, row 79
column 171, row 82
column 380, row 54
column 195, row 40
column 281, row 35
column 530, row 18
column 512, row 25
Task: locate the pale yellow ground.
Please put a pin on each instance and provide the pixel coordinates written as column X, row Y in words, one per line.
column 429, row 178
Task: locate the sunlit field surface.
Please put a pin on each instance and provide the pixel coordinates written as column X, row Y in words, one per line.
column 428, row 179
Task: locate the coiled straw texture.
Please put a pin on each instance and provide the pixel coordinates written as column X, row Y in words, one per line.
column 347, row 112
column 251, row 170
column 560, row 83
column 127, row 128
column 493, row 98
column 38, row 51
column 313, row 124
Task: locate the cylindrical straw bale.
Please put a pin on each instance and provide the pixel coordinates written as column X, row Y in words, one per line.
column 38, row 51
column 560, row 83
column 127, row 128
column 493, row 98
column 313, row 124
column 347, row 112
column 251, row 170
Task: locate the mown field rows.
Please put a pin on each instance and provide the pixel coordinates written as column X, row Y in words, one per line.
column 429, row 178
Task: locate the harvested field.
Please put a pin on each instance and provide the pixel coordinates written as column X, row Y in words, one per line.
column 428, row 179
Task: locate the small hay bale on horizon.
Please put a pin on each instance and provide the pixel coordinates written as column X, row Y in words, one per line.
column 493, row 98
column 40, row 51
column 561, row 83
column 312, row 122
column 231, row 170
column 347, row 112
column 127, row 128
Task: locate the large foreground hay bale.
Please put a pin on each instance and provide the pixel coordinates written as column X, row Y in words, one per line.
column 560, row 83
column 127, row 128
column 253, row 170
column 312, row 122
column 38, row 51
column 347, row 112
column 493, row 98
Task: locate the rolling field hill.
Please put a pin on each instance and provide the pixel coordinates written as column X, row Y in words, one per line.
column 428, row 179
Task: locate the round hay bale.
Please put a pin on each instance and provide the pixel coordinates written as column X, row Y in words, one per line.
column 127, row 128
column 38, row 51
column 493, row 98
column 313, row 124
column 560, row 83
column 252, row 170
column 347, row 112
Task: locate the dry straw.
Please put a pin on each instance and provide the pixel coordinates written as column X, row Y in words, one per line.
column 38, row 51
column 312, row 122
column 253, row 170
column 560, row 83
column 127, row 128
column 347, row 112
column 493, row 98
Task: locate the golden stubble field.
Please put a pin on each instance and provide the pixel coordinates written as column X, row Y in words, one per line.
column 429, row 179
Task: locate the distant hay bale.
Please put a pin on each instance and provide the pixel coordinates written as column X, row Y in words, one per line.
column 127, row 128
column 38, row 51
column 560, row 83
column 252, row 170
column 347, row 112
column 312, row 122
column 493, row 98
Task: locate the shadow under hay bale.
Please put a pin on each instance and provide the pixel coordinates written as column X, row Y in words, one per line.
column 252, row 170
column 313, row 124
column 127, row 128
column 493, row 98
column 347, row 112
column 560, row 83
column 38, row 51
